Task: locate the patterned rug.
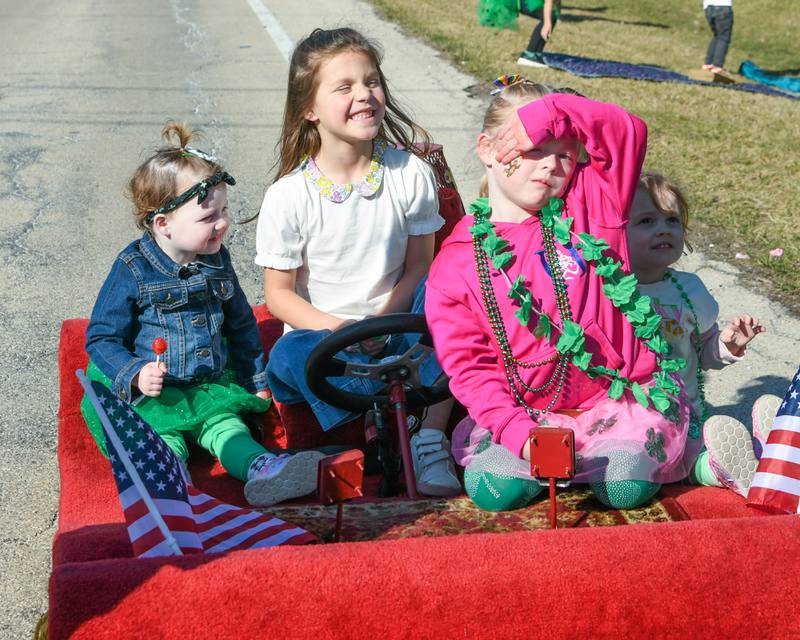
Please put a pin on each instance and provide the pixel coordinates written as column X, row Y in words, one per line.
column 400, row 518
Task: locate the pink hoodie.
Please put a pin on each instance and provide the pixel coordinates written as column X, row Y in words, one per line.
column 599, row 198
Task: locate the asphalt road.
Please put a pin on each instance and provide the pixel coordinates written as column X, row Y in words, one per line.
column 84, row 91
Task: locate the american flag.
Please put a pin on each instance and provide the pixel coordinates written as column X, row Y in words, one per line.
column 776, row 484
column 166, row 515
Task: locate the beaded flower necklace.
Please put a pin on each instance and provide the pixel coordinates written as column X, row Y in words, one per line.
column 696, row 421
column 620, row 288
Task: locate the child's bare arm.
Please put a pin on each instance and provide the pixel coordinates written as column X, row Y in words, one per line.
column 739, row 332
column 286, row 305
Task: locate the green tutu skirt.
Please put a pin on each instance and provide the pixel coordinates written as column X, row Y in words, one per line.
column 178, row 408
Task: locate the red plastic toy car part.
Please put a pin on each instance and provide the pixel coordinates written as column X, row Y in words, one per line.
column 552, row 458
column 340, row 477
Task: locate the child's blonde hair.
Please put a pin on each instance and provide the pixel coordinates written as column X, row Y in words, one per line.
column 509, row 99
column 299, row 137
column 667, row 198
column 155, row 181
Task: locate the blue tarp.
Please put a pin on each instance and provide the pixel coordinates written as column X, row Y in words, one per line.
column 595, row 68
column 751, row 70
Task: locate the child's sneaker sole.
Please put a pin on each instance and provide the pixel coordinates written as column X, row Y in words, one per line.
column 527, row 62
column 298, row 477
column 730, row 451
column 764, row 410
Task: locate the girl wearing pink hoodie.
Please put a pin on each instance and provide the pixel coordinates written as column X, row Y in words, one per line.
column 535, row 317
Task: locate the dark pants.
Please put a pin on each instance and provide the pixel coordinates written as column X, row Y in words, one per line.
column 720, row 19
column 536, row 43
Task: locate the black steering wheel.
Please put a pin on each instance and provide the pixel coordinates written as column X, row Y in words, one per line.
column 323, row 363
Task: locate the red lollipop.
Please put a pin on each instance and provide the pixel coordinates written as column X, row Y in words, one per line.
column 159, row 346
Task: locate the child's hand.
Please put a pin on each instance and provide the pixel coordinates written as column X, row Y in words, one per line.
column 373, row 346
column 263, row 394
column 512, row 140
column 740, row 331
column 150, row 379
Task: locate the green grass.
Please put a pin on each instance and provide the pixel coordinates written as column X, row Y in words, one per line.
column 736, row 154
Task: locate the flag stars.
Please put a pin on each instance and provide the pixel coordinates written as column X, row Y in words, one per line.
column 161, row 486
column 129, row 433
column 150, row 475
column 120, row 422
column 151, row 455
column 140, row 444
column 122, row 475
column 161, row 466
column 139, row 464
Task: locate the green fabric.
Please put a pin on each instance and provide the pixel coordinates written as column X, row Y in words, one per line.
column 179, row 409
column 533, row 5
column 701, row 473
column 624, row 494
column 228, row 438
column 498, row 14
column 491, row 492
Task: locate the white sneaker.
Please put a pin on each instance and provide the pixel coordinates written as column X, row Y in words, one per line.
column 433, row 465
column 273, row 479
column 730, row 452
column 765, row 408
column 528, row 59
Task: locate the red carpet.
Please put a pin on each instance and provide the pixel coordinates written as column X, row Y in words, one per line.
column 726, row 573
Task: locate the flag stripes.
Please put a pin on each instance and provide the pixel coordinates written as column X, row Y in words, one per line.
column 776, row 484
column 165, row 513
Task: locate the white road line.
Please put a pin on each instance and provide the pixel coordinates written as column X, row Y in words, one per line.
column 273, row 27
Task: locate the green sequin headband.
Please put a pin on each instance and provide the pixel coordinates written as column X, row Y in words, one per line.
column 201, row 190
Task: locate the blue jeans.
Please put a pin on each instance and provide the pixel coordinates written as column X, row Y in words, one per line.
column 286, row 368
column 720, row 19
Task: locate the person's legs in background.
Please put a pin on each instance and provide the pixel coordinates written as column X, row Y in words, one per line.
column 720, row 19
column 533, row 55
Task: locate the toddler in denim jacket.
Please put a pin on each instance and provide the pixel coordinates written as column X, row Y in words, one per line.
column 177, row 283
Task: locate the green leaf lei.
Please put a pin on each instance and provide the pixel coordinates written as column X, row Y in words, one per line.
column 620, row 288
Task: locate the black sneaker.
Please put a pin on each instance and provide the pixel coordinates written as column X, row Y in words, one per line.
column 531, row 59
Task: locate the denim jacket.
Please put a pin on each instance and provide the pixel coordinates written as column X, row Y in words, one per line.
column 147, row 295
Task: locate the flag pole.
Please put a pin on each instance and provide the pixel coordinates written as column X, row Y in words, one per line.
column 126, row 461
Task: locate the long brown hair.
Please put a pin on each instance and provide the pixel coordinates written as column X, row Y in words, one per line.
column 155, row 181
column 299, row 137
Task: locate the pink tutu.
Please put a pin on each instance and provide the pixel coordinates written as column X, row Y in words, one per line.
column 614, row 440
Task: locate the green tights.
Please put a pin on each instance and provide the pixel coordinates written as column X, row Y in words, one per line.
column 493, row 492
column 227, row 437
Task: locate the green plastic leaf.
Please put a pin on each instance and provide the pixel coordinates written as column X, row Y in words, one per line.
column 555, row 205
column 544, row 328
column 517, row 290
column 637, row 309
column 500, row 260
column 480, row 207
column 649, row 327
column 607, row 267
column 621, row 292
column 493, row 243
column 571, row 339
column 561, row 229
column 665, row 382
column 660, row 400
column 617, row 389
column 673, row 364
column 524, row 312
column 640, row 395
column 481, row 228
column 582, row 360
column 658, row 344
column 591, row 247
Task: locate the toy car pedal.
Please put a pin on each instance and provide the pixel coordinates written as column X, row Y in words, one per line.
column 340, row 477
column 552, row 453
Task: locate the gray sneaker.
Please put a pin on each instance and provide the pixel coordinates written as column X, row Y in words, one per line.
column 279, row 478
column 434, row 468
column 730, row 452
